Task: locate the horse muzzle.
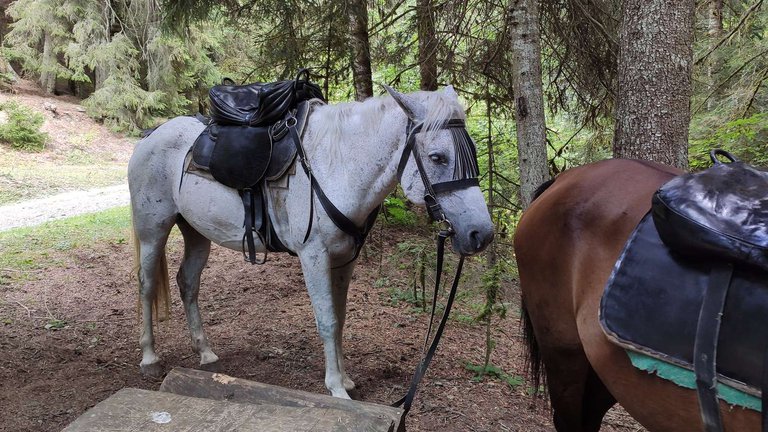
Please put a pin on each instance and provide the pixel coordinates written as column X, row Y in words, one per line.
column 472, row 240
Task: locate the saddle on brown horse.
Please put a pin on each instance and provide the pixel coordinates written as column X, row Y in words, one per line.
column 251, row 137
column 691, row 285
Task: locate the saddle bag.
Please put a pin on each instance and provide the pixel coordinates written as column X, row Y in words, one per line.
column 260, row 104
column 720, row 213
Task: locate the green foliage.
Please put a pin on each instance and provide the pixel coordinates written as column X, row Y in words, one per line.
column 489, row 370
column 22, row 128
column 746, row 138
column 396, row 211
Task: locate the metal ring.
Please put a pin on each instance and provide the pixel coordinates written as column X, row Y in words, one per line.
column 291, row 121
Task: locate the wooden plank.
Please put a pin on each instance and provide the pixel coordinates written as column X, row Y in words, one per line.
column 135, row 410
column 196, row 383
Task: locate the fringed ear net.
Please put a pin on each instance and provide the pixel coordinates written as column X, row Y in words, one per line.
column 466, row 155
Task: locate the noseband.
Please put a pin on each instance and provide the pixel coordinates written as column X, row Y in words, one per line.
column 465, row 170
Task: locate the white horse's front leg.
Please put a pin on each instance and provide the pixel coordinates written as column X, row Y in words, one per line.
column 317, row 276
column 341, row 278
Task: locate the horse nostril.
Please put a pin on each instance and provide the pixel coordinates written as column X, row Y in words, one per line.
column 480, row 241
column 477, row 242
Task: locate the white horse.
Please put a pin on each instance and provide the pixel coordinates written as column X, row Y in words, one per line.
column 354, row 150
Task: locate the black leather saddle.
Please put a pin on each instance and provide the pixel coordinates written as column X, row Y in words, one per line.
column 251, row 138
column 691, row 285
column 260, row 104
column 241, row 157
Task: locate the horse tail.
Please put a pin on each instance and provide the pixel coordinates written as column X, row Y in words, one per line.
column 161, row 303
column 534, row 365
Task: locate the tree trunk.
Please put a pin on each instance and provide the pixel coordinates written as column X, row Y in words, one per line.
column 529, row 101
column 48, row 65
column 361, row 53
column 654, row 81
column 715, row 33
column 425, row 20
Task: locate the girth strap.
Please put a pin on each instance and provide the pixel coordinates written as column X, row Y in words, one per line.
column 705, row 346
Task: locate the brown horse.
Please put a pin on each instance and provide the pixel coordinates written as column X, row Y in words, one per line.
column 566, row 245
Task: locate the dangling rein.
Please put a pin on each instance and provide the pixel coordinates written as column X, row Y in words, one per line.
column 407, row 400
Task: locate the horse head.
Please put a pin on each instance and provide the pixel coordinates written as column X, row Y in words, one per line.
column 439, row 169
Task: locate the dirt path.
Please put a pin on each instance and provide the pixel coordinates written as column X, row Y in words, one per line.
column 63, row 205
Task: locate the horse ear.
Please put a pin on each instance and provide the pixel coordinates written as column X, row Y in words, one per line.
column 414, row 109
column 450, row 91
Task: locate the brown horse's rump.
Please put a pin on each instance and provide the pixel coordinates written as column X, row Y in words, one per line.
column 566, row 245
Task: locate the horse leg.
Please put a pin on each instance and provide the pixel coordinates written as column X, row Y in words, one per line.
column 196, row 251
column 317, row 276
column 341, row 278
column 151, row 274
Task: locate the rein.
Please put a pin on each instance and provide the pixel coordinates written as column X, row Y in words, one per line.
column 465, row 175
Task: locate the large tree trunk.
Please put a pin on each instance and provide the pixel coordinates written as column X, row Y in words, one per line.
column 529, row 100
column 361, row 53
column 48, row 66
column 654, row 81
column 425, row 19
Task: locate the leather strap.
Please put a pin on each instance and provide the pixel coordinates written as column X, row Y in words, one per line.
column 251, row 203
column 764, row 391
column 705, row 346
column 407, row 401
column 337, row 217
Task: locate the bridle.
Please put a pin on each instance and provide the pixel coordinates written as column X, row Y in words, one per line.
column 465, row 170
column 465, row 175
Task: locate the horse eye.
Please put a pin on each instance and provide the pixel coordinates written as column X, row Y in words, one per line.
column 438, row 158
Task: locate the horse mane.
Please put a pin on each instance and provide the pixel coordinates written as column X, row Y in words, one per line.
column 333, row 118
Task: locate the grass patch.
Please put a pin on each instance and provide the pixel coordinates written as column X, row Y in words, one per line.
column 23, row 176
column 27, row 249
column 491, row 371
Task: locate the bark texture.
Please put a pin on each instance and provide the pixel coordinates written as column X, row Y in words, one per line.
column 357, row 11
column 48, row 67
column 654, row 81
column 529, row 100
column 425, row 18
column 714, row 34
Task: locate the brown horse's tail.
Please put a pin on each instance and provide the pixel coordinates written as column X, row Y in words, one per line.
column 161, row 303
column 534, row 364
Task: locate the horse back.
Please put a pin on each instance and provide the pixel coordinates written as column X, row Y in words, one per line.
column 606, row 197
column 569, row 238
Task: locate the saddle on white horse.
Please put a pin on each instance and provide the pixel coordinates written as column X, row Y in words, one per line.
column 249, row 140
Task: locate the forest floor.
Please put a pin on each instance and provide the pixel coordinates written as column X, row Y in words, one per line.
column 69, row 326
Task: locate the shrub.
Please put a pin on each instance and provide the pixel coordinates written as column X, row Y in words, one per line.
column 21, row 128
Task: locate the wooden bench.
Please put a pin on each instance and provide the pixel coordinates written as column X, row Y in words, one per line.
column 192, row 400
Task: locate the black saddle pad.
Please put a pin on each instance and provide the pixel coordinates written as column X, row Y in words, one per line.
column 652, row 300
column 236, row 156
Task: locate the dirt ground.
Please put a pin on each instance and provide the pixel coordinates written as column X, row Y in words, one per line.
column 260, row 323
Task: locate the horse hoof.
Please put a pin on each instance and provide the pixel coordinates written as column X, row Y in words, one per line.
column 214, row 366
column 348, row 384
column 153, row 370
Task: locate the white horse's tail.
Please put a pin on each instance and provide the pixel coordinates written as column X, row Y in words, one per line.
column 161, row 303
